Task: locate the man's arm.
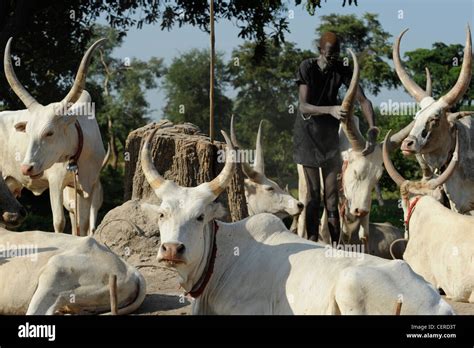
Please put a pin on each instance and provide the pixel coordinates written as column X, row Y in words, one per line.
column 313, row 110
column 368, row 112
column 366, row 107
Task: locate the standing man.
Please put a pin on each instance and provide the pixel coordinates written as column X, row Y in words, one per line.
column 316, row 139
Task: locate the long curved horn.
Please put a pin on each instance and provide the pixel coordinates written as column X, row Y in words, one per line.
column 13, row 81
column 348, row 126
column 415, row 91
column 440, row 180
column 394, row 174
column 246, row 167
column 259, row 164
column 220, row 182
column 80, row 81
column 464, row 79
column 107, row 157
column 429, row 87
column 151, row 174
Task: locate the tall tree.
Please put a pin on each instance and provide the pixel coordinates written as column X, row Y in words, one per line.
column 371, row 44
column 51, row 36
column 119, row 85
column 444, row 62
column 186, row 84
column 267, row 90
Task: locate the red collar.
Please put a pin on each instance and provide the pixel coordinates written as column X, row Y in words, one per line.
column 80, row 138
column 411, row 208
column 200, row 285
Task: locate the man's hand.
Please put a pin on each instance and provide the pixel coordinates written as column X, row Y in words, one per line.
column 337, row 112
column 372, row 134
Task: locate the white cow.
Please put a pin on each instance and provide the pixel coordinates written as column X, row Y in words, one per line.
column 440, row 241
column 256, row 266
column 262, row 194
column 37, row 144
column 44, row 273
column 432, row 137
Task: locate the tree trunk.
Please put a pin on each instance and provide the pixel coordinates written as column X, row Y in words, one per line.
column 182, row 154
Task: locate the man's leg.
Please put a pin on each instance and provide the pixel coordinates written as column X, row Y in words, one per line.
column 312, row 209
column 331, row 191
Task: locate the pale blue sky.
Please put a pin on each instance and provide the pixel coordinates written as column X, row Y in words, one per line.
column 429, row 21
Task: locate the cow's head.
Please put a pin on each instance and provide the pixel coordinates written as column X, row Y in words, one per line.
column 360, row 172
column 264, row 195
column 46, row 125
column 12, row 212
column 433, row 129
column 409, row 189
column 185, row 215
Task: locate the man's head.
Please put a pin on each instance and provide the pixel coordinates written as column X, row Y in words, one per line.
column 329, row 47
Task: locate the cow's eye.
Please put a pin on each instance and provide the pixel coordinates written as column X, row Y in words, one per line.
column 424, row 133
column 200, row 217
column 49, row 134
column 161, row 216
column 269, row 188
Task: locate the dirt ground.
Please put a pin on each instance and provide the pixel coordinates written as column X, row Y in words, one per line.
column 166, row 298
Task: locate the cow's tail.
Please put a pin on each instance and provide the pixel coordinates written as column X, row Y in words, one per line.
column 141, row 293
column 393, row 243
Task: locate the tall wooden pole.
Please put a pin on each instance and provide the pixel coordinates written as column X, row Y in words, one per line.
column 211, row 90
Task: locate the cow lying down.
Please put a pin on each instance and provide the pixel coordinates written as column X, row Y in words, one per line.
column 256, row 266
column 51, row 273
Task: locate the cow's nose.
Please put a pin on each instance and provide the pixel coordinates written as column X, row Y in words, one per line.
column 409, row 144
column 12, row 218
column 26, row 169
column 300, row 205
column 172, row 250
column 360, row 212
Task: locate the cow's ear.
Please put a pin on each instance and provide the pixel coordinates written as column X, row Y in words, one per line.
column 20, row 127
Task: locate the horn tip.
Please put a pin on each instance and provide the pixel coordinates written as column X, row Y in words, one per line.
column 227, row 139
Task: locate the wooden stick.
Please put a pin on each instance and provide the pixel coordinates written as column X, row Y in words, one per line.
column 113, row 294
column 211, row 87
column 398, row 307
column 77, row 231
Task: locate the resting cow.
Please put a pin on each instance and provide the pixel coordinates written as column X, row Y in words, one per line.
column 45, row 273
column 256, row 266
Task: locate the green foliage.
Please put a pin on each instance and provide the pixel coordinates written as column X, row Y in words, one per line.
column 407, row 166
column 51, row 36
column 444, row 62
column 370, row 43
column 267, row 90
column 122, row 84
column 187, row 91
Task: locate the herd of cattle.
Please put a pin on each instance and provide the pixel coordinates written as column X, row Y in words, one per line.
column 256, row 265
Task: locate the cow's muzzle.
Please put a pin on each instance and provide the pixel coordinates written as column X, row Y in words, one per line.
column 409, row 146
column 172, row 253
column 14, row 219
column 30, row 170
